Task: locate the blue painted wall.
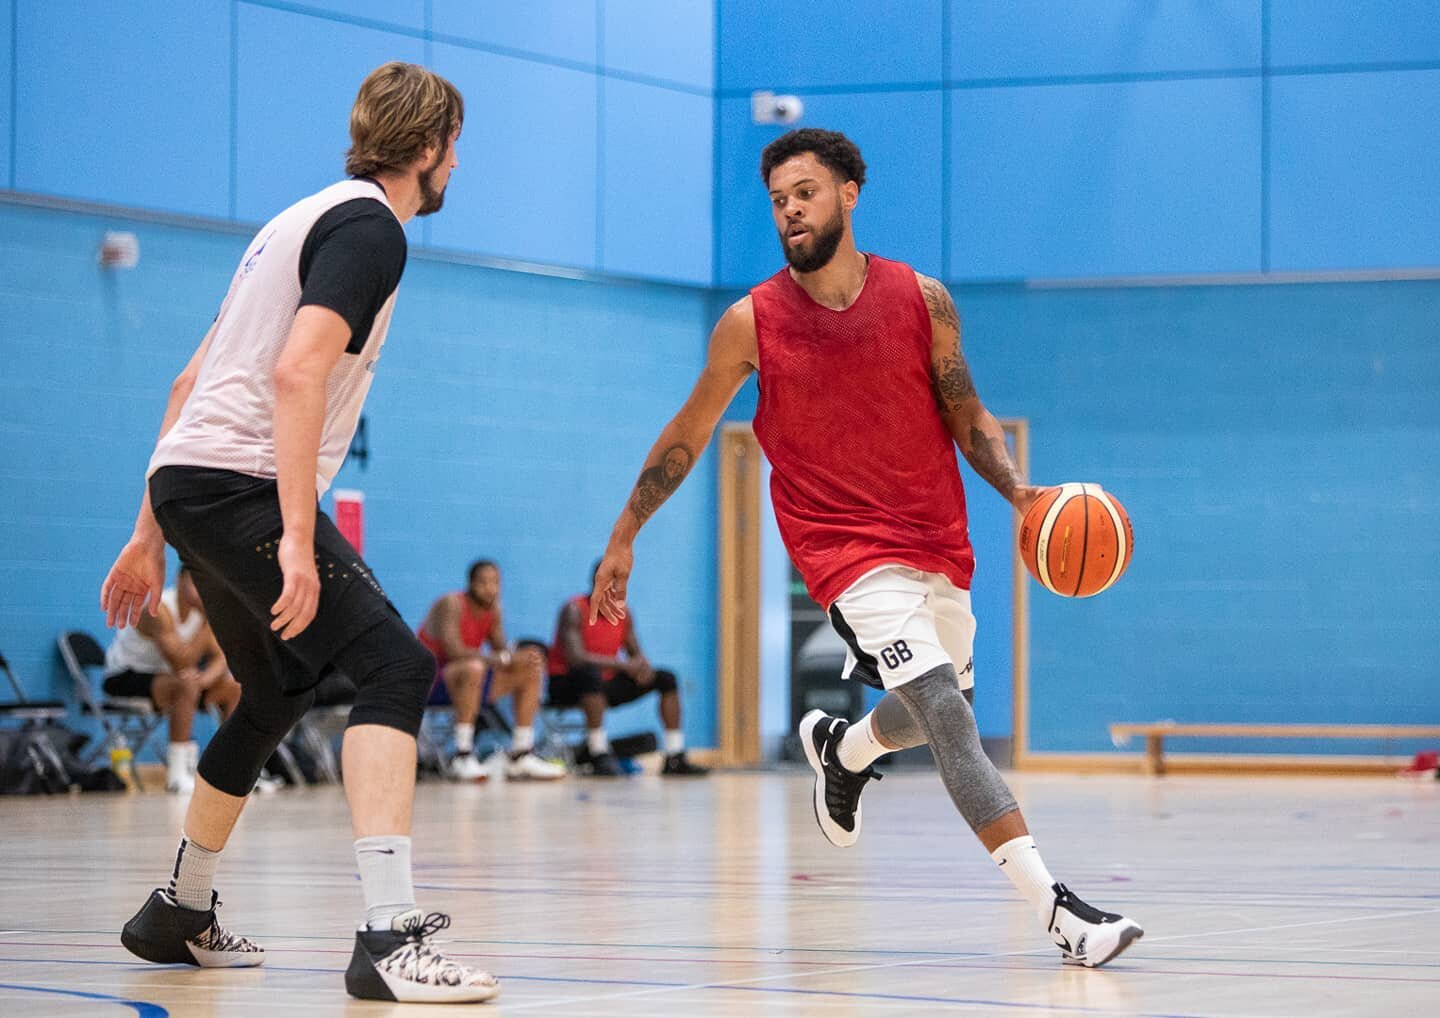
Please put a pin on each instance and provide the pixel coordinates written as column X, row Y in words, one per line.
column 1276, row 447
column 1013, row 139
column 506, row 422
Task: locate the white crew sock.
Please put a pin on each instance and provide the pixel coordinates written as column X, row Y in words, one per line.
column 179, row 760
column 597, row 740
column 1020, row 860
column 522, row 739
column 384, row 863
column 674, row 741
column 464, row 739
column 859, row 747
column 194, row 876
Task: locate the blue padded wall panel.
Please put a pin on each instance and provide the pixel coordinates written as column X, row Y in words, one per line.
column 838, row 43
column 1353, row 170
column 1034, row 38
column 671, row 40
column 108, row 113
column 7, row 122
column 403, row 13
column 1113, row 179
column 558, row 29
column 293, row 116
column 656, row 183
column 525, row 187
column 1358, row 31
column 899, row 211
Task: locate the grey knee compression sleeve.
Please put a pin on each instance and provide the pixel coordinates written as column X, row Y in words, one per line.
column 944, row 716
column 894, row 725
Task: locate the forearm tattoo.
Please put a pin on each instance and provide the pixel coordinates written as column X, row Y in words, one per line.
column 659, row 482
column 991, row 459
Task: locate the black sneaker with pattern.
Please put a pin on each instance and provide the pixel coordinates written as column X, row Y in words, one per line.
column 679, row 765
column 1085, row 935
column 165, row 932
column 837, row 790
column 403, row 964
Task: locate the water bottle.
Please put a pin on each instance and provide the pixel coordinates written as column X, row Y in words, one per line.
column 120, row 761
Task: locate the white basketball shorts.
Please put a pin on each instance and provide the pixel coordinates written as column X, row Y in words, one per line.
column 900, row 623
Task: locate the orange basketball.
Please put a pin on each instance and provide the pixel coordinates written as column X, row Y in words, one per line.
column 1076, row 540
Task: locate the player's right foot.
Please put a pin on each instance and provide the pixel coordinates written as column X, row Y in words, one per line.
column 529, row 767
column 402, row 964
column 837, row 790
column 164, row 932
column 464, row 767
column 1085, row 935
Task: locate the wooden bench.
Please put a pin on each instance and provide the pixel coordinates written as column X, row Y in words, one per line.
column 1156, row 731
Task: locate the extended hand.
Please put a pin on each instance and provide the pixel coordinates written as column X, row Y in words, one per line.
column 134, row 583
column 300, row 596
column 608, row 597
column 1026, row 494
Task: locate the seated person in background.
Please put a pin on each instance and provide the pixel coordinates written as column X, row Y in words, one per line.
column 172, row 658
column 456, row 628
column 586, row 668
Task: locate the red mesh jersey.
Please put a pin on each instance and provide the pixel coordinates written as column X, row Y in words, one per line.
column 864, row 469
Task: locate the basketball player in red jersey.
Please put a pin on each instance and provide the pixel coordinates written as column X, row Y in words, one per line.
column 864, row 393
column 456, row 630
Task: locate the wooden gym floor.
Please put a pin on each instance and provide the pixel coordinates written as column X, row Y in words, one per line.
column 1285, row 896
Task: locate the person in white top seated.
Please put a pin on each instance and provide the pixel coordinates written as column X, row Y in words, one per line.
column 173, row 659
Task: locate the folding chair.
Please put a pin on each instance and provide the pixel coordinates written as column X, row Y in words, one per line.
column 563, row 727
column 25, row 710
column 133, row 718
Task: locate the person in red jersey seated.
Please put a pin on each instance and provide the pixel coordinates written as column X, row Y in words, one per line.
column 599, row 664
column 458, row 629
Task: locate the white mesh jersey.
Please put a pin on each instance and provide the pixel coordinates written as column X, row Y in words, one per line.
column 228, row 420
column 132, row 651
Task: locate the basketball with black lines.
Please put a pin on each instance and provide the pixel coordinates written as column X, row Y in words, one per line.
column 1076, row 540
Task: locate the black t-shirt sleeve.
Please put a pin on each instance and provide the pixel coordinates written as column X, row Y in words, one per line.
column 351, row 263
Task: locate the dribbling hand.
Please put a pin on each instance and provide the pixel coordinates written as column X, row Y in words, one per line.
column 1025, row 495
column 300, row 597
column 134, row 583
column 608, row 597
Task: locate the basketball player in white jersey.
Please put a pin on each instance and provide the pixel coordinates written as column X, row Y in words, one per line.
column 257, row 425
column 172, row 658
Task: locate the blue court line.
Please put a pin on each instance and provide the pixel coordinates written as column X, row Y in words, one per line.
column 142, row 1008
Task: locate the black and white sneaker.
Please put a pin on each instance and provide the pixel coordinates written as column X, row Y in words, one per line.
column 402, row 964
column 168, row 934
column 1085, row 935
column 837, row 790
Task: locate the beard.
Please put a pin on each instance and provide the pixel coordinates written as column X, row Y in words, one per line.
column 824, row 242
column 431, row 198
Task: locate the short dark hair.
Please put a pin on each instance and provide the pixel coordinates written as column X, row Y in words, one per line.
column 836, row 153
column 479, row 564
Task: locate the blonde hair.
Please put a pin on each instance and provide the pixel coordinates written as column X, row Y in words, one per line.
column 400, row 110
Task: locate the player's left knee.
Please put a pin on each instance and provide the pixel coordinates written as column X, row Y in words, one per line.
column 665, row 682
column 393, row 692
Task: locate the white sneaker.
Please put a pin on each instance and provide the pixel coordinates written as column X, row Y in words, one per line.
column 464, row 767
column 529, row 767
column 402, row 964
column 267, row 784
column 1085, row 935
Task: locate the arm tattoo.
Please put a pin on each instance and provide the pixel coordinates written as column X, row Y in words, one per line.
column 937, row 299
column 659, row 482
column 991, row 459
column 951, row 376
column 953, row 384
